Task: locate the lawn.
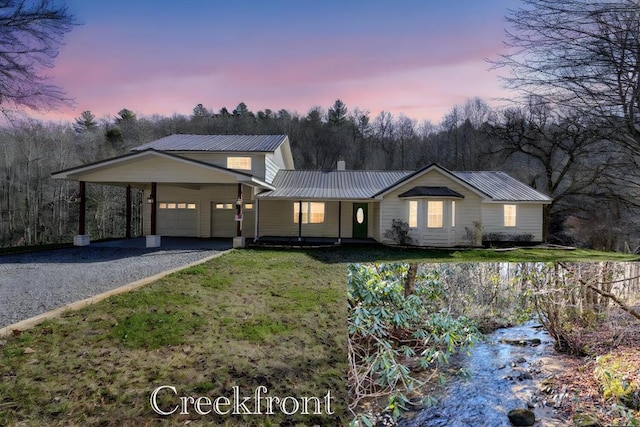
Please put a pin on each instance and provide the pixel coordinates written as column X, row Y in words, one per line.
column 250, row 318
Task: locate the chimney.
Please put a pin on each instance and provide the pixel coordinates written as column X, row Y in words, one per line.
column 341, row 165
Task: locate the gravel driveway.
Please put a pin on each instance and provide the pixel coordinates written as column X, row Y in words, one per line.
column 34, row 283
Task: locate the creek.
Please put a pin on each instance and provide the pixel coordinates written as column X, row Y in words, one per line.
column 506, row 370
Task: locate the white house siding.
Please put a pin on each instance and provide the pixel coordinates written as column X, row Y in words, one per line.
column 203, row 196
column 374, row 221
column 528, row 219
column 276, row 219
column 220, row 159
column 156, row 169
column 468, row 210
column 271, row 168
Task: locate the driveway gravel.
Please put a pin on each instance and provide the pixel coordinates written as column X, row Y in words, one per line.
column 34, row 283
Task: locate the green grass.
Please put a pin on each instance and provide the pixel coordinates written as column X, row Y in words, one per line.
column 248, row 318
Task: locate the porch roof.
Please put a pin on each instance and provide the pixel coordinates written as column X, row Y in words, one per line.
column 330, row 184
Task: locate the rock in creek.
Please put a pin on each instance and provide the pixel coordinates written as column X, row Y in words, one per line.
column 522, row 417
column 531, row 341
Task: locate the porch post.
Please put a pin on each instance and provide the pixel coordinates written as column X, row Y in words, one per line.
column 339, row 221
column 238, row 241
column 128, row 213
column 300, row 221
column 82, row 239
column 256, row 219
column 239, row 212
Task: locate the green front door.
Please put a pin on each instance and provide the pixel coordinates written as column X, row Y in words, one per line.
column 360, row 220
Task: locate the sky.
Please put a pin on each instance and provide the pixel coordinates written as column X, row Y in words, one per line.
column 413, row 57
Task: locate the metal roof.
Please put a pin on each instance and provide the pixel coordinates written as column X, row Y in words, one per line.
column 422, row 191
column 225, row 143
column 501, row 187
column 331, row 184
column 363, row 184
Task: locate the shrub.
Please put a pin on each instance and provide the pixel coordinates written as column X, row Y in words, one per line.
column 390, row 331
column 399, row 232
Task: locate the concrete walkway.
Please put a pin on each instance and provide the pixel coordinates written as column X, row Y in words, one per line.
column 35, row 283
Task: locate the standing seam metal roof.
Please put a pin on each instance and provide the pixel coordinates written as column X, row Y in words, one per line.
column 332, row 184
column 362, row 184
column 502, row 187
column 223, row 143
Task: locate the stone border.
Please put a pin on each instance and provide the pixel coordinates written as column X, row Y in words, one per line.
column 36, row 320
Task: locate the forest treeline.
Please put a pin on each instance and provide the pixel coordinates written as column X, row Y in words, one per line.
column 592, row 180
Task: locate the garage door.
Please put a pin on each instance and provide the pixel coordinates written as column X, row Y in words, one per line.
column 223, row 223
column 177, row 219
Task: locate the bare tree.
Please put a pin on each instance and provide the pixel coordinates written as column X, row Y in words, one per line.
column 584, row 56
column 30, row 36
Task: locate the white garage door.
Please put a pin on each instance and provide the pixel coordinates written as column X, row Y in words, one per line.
column 177, row 219
column 223, row 223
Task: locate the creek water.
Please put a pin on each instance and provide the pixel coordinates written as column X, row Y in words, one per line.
column 503, row 376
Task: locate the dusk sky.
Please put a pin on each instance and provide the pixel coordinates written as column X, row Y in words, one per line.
column 418, row 57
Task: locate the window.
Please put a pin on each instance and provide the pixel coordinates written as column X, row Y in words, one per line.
column 453, row 213
column 509, row 215
column 175, row 205
column 248, row 206
column 224, row 205
column 435, row 213
column 243, row 163
column 413, row 213
column 312, row 212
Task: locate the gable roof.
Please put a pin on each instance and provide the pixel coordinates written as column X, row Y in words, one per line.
column 492, row 185
column 331, row 184
column 423, row 191
column 72, row 173
column 216, row 143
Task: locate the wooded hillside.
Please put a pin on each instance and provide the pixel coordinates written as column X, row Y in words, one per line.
column 591, row 178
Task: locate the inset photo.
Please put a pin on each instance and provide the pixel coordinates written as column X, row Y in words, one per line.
column 493, row 343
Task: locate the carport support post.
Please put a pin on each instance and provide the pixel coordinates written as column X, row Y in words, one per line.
column 128, row 213
column 154, row 205
column 238, row 241
column 82, row 239
column 153, row 240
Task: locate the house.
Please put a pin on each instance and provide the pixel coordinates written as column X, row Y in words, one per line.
column 246, row 187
